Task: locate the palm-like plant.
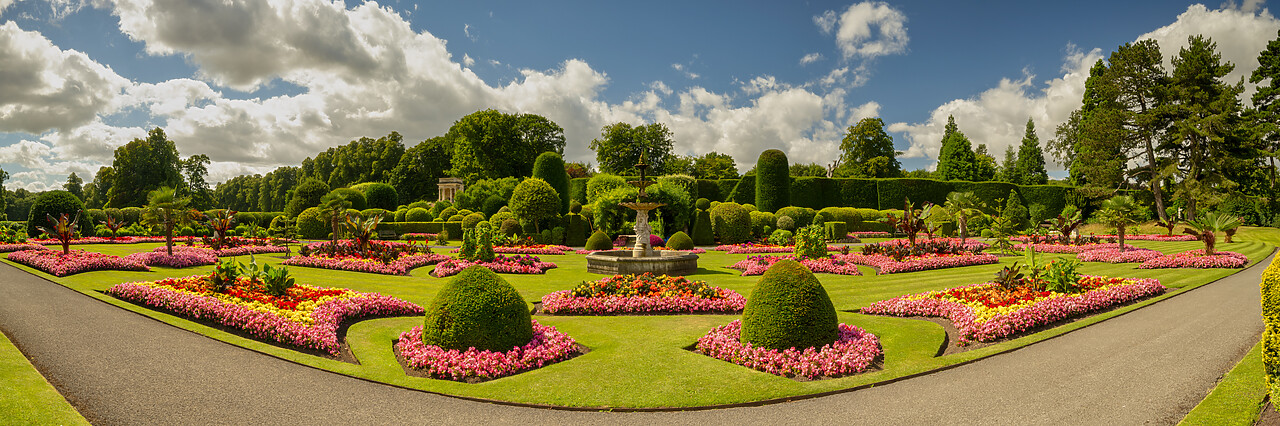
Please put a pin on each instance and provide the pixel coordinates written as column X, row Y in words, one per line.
column 1067, row 222
column 113, row 225
column 1121, row 211
column 963, row 205
column 336, row 209
column 911, row 222
column 166, row 209
column 1207, row 226
column 63, row 229
column 219, row 223
column 362, row 231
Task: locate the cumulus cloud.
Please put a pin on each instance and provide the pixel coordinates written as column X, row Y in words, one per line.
column 997, row 116
column 866, row 30
column 467, row 61
column 810, row 58
column 44, row 87
column 4, row 4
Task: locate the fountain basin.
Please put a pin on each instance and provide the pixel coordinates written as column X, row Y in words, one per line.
column 615, row 262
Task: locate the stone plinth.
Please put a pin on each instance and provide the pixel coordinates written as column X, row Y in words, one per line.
column 670, row 262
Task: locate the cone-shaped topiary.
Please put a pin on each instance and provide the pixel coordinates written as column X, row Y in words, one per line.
column 576, row 232
column 789, row 308
column 477, row 309
column 680, row 241
column 599, row 241
column 702, row 233
column 773, row 181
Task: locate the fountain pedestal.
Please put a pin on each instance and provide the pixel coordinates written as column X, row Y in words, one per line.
column 642, row 257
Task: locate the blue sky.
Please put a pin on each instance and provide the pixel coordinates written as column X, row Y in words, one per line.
column 256, row 85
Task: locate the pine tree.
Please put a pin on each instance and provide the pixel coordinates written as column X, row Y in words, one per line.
column 1030, row 163
column 956, row 160
column 1009, row 167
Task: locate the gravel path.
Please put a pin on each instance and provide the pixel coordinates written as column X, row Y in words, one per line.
column 1149, row 366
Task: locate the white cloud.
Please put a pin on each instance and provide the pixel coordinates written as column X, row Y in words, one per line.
column 4, row 4
column 810, row 58
column 467, row 61
column 998, row 115
column 44, row 87
column 466, row 29
column 660, row 87
column 867, row 30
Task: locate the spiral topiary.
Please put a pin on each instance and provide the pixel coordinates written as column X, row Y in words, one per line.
column 680, row 241
column 731, row 223
column 477, row 309
column 773, row 181
column 599, row 241
column 789, row 308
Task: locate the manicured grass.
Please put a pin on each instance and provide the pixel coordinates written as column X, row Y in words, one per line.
column 27, row 397
column 1237, row 400
column 639, row 361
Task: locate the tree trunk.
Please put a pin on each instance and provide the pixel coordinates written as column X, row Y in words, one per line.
column 168, row 236
column 1120, row 233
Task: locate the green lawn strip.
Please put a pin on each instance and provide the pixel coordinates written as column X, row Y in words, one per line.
column 641, row 361
column 1238, row 398
column 28, row 398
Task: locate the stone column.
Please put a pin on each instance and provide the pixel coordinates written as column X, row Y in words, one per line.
column 642, row 249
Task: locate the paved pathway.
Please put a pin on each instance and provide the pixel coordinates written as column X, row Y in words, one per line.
column 1149, row 366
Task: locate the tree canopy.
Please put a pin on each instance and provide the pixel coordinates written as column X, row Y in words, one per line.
column 863, row 143
column 620, row 146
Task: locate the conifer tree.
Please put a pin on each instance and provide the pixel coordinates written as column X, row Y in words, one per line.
column 956, row 160
column 1030, row 162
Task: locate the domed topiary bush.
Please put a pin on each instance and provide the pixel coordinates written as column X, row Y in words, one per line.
column 447, row 212
column 492, row 205
column 550, row 168
column 456, row 218
column 789, row 308
column 306, row 194
column 381, row 196
column 471, row 220
column 680, row 241
column 55, row 203
column 312, row 225
column 773, row 181
column 731, row 223
column 352, row 196
column 800, row 216
column 510, row 227
column 477, row 309
column 599, row 241
column 418, row 214
column 702, row 204
column 787, row 223
column 400, row 215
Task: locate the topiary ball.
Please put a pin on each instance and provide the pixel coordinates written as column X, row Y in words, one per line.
column 731, row 223
column 575, row 207
column 510, row 227
column 680, row 241
column 448, row 212
column 418, row 214
column 787, row 223
column 703, row 204
column 379, row 195
column 789, row 308
column 599, row 241
column 477, row 309
column 456, row 218
column 471, row 220
column 311, row 225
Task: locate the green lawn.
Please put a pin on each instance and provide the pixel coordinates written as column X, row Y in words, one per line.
column 638, row 361
column 27, row 397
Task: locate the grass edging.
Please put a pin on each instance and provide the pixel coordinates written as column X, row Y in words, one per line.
column 1239, row 397
column 29, row 398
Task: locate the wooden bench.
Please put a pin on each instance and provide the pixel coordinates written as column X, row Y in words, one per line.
column 387, row 234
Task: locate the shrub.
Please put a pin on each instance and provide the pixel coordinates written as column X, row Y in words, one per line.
column 1017, row 215
column 55, row 203
column 575, row 207
column 492, row 205
column 471, row 220
column 380, row 195
column 557, row 235
column 477, row 309
column 447, row 212
column 95, row 216
column 535, row 200
column 836, row 230
column 418, row 214
column 599, row 241
column 114, row 212
column 420, row 205
column 131, row 215
column 702, row 233
column 311, row 225
column 510, row 227
column 773, row 181
column 455, row 218
column 307, row 194
column 550, row 168
column 685, row 182
column 437, row 208
column 576, row 230
column 498, row 218
column 801, row 216
column 786, row 223
column 781, row 237
column 810, row 243
column 603, row 183
column 680, row 241
column 703, row 204
column 402, row 215
column 1271, row 326
column 731, row 223
column 789, row 308
column 367, row 214
column 761, row 220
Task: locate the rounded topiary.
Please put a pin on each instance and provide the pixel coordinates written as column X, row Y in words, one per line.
column 731, row 223
column 550, row 167
column 418, row 214
column 367, row 214
column 455, row 218
column 312, row 225
column 789, row 308
column 420, row 204
column 438, row 207
column 749, row 207
column 575, row 207
column 510, row 227
column 702, row 204
column 535, row 200
column 599, row 241
column 95, row 216
column 773, row 181
column 131, row 215
column 492, row 205
column 787, row 223
column 447, row 212
column 56, row 203
column 801, row 216
column 680, row 241
column 380, row 195
column 760, row 221
column 477, row 309
column 352, row 196
column 472, row 220
column 400, row 215
column 306, row 194
column 781, row 237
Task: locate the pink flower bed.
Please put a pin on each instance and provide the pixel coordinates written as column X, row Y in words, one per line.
column 551, row 249
column 5, row 248
column 101, row 240
column 1153, row 237
column 969, row 244
column 421, row 236
column 853, row 352
column 59, row 265
column 500, row 264
column 400, row 266
column 870, row 234
column 264, row 323
column 547, row 347
column 182, row 257
column 564, row 303
column 886, row 265
column 229, row 251
column 1114, row 255
column 977, row 322
column 1076, row 249
column 756, row 265
column 747, row 248
column 1196, row 259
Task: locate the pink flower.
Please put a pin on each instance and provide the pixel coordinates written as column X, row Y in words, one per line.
column 1114, row 255
column 852, row 352
column 1197, row 259
column 756, row 265
column 886, row 265
column 547, row 347
column 57, row 264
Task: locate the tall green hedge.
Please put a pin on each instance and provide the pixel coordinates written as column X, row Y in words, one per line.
column 773, row 181
column 710, row 189
column 744, row 192
column 578, row 189
column 891, row 192
column 807, row 192
column 1271, row 327
column 550, row 167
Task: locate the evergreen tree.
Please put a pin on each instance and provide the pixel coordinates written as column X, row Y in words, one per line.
column 1266, row 109
column 1009, row 167
column 1030, row 162
column 956, row 160
column 985, row 164
column 1206, row 113
column 74, row 185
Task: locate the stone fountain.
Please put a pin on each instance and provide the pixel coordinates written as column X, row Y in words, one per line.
column 642, row 257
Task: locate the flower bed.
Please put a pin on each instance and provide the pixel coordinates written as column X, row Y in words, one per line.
column 969, row 244
column 642, row 294
column 1114, row 255
column 57, row 264
column 306, row 317
column 746, row 248
column 230, row 251
column 182, row 257
column 756, row 265
column 1075, row 249
column 545, row 249
column 870, row 234
column 419, row 236
column 5, row 248
column 100, row 240
column 548, row 346
column 500, row 264
column 853, row 352
column 1197, row 259
column 986, row 312
column 381, row 257
column 1152, row 237
column 887, row 265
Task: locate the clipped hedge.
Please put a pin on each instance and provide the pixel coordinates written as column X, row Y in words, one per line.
column 478, row 309
column 1271, row 327
column 808, row 192
column 744, row 192
column 773, row 181
column 891, row 192
column 789, row 308
column 401, row 228
column 578, row 189
column 710, row 190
